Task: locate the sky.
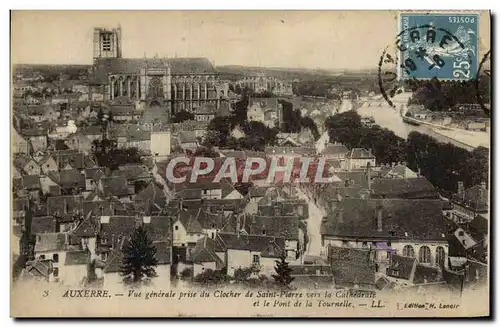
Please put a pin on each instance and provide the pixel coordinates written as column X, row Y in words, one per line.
column 305, row 39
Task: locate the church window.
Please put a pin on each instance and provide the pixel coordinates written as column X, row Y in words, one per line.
column 424, row 255
column 440, row 256
column 408, row 251
column 106, row 42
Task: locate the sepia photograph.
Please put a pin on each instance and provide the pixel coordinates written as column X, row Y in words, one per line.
column 326, row 164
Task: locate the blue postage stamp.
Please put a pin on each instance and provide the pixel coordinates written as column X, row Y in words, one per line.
column 442, row 46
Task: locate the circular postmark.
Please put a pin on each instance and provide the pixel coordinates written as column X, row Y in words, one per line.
column 423, row 56
column 482, row 84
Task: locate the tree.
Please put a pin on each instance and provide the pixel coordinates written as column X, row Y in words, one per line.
column 181, row 116
column 210, row 277
column 139, row 259
column 61, row 145
column 283, row 273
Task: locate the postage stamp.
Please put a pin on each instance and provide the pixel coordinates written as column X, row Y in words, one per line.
column 442, row 46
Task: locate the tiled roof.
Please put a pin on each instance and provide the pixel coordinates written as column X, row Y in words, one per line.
column 401, row 267
column 359, row 153
column 299, row 150
column 189, row 221
column 335, row 149
column 99, row 208
column 30, row 182
column 401, row 219
column 45, row 224
column 48, row 242
column 404, row 188
column 268, row 246
column 65, row 204
column 20, row 204
column 93, row 130
column 425, row 274
column 204, row 251
column 475, row 197
column 151, row 198
column 132, row 172
column 118, row 227
column 68, row 178
column 280, row 226
column 158, row 228
column 187, row 137
column 352, row 266
column 77, row 258
column 116, row 186
column 163, row 252
column 178, row 66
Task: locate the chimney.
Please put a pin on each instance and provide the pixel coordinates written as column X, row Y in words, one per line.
column 369, row 176
column 460, row 188
column 238, row 225
column 340, row 216
column 379, row 218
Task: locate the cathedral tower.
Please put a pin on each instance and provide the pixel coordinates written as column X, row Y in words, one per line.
column 107, row 43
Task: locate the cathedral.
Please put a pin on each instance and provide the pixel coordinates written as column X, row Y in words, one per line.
column 171, row 83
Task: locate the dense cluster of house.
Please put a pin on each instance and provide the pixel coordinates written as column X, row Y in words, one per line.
column 373, row 226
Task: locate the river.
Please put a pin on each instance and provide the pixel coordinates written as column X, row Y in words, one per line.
column 388, row 117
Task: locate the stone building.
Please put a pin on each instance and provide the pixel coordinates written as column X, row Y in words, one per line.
column 260, row 83
column 171, row 83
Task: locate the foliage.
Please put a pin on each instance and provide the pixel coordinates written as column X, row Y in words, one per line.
column 210, row 277
column 283, row 276
column 139, row 259
column 187, row 273
column 61, row 145
column 439, row 95
column 293, row 121
column 181, row 116
column 442, row 164
column 242, row 274
column 207, row 152
column 109, row 155
column 139, row 186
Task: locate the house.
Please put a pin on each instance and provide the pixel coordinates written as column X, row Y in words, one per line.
column 258, row 252
column 151, row 200
column 359, row 158
column 207, row 254
column 468, row 203
column 28, row 185
column 114, row 234
column 187, row 230
column 413, row 228
column 49, row 186
column 54, row 247
column 397, row 171
column 406, row 271
column 37, row 138
column 66, row 208
column 47, row 162
column 188, row 140
column 92, row 177
column 286, row 227
column 26, row 164
column 80, row 142
column 93, row 132
column 265, row 110
column 37, row 270
column 335, row 151
column 312, row 276
column 205, row 113
column 237, row 132
column 161, row 143
column 117, row 187
column 70, row 181
column 19, row 143
column 128, row 136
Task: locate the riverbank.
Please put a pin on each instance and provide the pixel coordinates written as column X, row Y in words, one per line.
column 387, row 117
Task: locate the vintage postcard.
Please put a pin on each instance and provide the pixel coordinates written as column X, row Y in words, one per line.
column 250, row 163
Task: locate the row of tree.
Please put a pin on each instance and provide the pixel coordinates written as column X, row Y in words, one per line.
column 443, row 164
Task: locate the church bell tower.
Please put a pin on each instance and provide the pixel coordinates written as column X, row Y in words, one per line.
column 107, row 43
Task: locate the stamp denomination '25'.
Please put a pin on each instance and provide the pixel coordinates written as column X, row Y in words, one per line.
column 442, row 46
